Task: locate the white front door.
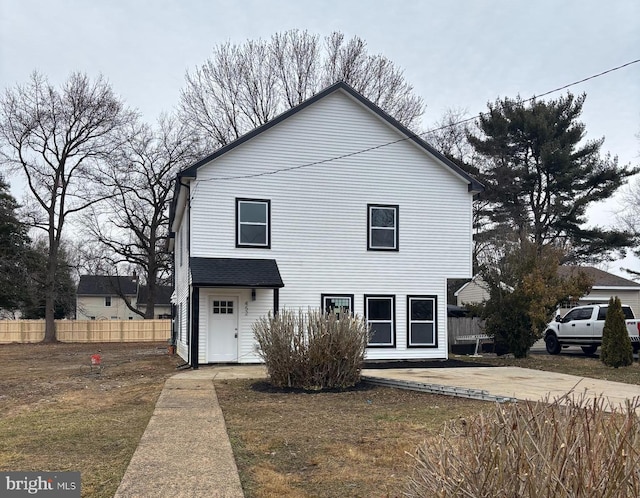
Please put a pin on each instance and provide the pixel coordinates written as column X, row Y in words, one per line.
column 223, row 329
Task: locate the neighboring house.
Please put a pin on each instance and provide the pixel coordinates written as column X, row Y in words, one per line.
column 98, row 297
column 331, row 205
column 605, row 285
column 472, row 292
column 162, row 306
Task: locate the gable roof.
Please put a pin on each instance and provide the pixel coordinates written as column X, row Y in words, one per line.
column 235, row 272
column 600, row 278
column 106, row 285
column 192, row 171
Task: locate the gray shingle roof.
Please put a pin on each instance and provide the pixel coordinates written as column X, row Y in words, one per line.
column 600, row 278
column 106, row 285
column 163, row 295
column 232, row 272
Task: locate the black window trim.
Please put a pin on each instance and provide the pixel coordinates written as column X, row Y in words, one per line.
column 391, row 297
column 396, row 208
column 434, row 298
column 334, row 295
column 237, row 227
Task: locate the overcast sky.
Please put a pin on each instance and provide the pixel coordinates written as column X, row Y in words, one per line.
column 456, row 54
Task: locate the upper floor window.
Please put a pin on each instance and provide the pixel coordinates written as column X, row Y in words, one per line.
column 107, row 301
column 382, row 228
column 253, row 223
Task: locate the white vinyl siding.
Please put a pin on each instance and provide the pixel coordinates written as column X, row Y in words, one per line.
column 319, row 215
column 93, row 308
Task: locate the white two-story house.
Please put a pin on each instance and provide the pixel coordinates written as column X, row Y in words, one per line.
column 333, row 204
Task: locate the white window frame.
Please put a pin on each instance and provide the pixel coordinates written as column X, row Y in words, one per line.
column 391, row 320
column 107, row 301
column 267, row 224
column 371, row 227
column 410, row 322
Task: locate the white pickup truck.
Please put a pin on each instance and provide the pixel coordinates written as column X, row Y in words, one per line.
column 583, row 325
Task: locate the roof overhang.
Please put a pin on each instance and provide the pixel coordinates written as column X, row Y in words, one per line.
column 235, row 272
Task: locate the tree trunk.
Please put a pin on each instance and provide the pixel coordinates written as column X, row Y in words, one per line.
column 50, row 285
column 50, row 301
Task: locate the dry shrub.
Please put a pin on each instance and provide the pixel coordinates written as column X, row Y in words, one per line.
column 312, row 350
column 535, row 449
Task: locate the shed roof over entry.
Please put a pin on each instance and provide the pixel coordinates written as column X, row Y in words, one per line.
column 234, row 272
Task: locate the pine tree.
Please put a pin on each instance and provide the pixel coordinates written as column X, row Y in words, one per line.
column 14, row 248
column 616, row 350
column 541, row 175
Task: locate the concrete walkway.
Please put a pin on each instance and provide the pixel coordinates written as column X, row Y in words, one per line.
column 185, row 450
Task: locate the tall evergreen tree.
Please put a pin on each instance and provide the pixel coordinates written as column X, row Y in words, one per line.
column 616, row 350
column 14, row 249
column 541, row 175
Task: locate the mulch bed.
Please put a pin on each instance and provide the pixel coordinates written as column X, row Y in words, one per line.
column 450, row 363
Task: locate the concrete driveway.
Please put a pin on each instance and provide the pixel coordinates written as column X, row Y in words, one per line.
column 514, row 382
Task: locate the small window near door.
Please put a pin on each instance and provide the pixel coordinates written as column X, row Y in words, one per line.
column 223, row 307
column 337, row 303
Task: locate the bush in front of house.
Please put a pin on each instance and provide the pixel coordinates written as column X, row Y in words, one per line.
column 312, row 350
column 535, row 449
column 616, row 350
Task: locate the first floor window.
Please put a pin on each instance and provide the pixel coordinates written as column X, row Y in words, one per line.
column 337, row 303
column 253, row 223
column 421, row 321
column 380, row 312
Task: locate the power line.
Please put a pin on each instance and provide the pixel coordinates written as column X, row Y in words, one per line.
column 409, row 137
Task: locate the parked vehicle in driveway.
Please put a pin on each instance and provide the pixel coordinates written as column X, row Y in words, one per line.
column 583, row 325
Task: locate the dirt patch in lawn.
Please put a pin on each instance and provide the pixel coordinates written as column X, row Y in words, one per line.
column 58, row 413
column 326, row 444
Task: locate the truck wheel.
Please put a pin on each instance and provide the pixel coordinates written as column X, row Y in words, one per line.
column 589, row 350
column 553, row 345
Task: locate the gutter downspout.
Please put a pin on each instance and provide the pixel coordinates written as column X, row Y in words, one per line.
column 195, row 312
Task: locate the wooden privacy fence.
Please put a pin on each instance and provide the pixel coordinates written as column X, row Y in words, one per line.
column 87, row 330
column 463, row 327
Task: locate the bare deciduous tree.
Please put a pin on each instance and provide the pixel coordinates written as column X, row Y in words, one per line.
column 131, row 224
column 59, row 140
column 244, row 86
